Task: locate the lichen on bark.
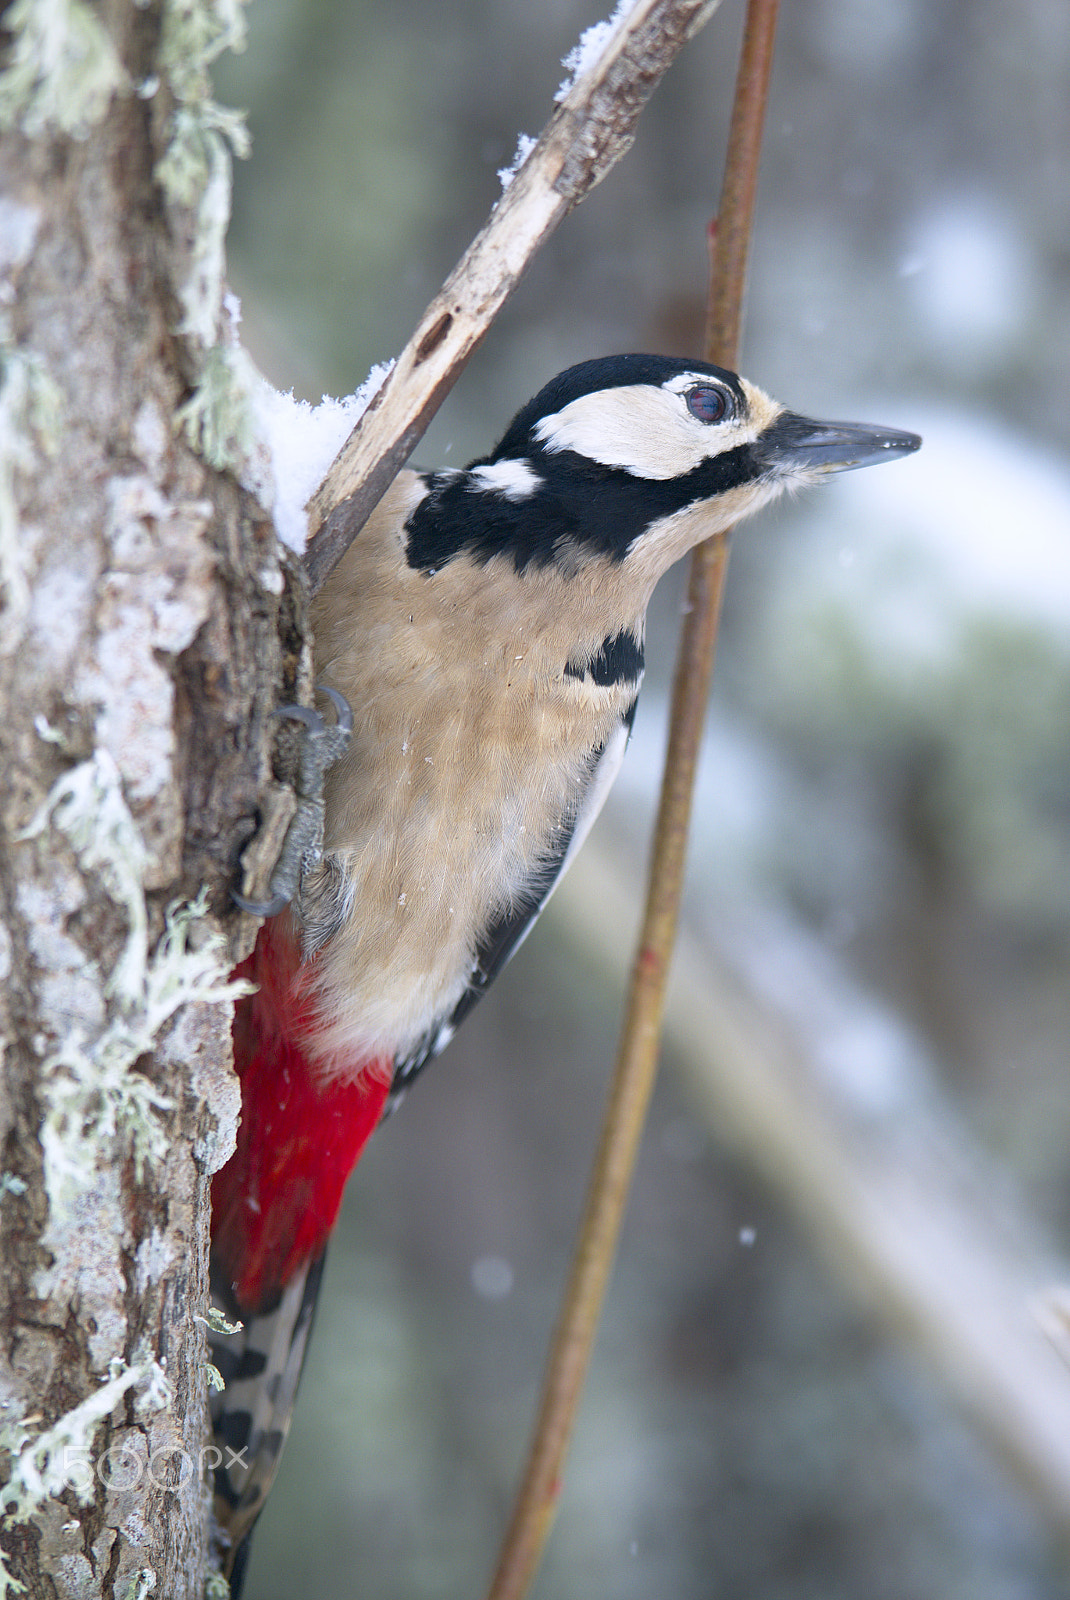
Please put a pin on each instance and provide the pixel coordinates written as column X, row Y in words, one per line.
column 138, row 647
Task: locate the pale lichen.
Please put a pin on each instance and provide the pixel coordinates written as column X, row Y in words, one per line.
column 217, row 1323
column 158, row 1394
column 87, row 805
column 194, row 171
column 218, row 418
column 90, row 1088
column 62, row 69
column 154, row 1258
column 98, row 1112
column 44, row 1462
column 195, row 32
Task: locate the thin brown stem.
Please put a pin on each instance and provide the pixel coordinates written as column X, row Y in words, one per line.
column 732, row 234
column 636, row 1066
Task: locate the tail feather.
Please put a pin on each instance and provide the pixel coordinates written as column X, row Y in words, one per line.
column 261, row 1369
column 273, row 1206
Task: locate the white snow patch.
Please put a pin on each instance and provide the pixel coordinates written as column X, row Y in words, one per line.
column 303, row 441
column 582, row 57
column 525, row 144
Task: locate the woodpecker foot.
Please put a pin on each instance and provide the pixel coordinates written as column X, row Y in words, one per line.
column 324, row 743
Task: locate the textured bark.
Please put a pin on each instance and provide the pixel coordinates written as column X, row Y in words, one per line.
column 139, row 601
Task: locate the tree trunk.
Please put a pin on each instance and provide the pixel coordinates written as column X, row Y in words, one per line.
column 139, row 645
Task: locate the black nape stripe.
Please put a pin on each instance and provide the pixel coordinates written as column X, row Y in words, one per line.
column 580, row 507
column 620, row 660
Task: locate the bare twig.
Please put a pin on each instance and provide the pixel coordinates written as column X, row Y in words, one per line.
column 636, row 1066
column 731, row 236
column 914, row 1218
column 590, row 130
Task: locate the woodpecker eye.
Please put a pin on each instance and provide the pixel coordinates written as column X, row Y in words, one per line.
column 706, row 403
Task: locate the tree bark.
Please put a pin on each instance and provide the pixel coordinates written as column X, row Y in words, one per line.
column 139, row 657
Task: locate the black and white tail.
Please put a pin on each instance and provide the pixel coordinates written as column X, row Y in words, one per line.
column 261, row 1368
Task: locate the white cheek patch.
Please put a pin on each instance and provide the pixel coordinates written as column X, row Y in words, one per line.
column 516, row 480
column 641, row 429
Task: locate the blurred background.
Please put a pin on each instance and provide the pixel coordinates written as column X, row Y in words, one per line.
column 821, row 1371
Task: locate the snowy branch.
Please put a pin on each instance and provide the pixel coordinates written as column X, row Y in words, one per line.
column 591, row 128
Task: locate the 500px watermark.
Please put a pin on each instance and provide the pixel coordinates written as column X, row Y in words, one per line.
column 123, row 1467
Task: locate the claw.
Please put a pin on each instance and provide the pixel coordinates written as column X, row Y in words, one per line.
column 324, row 744
column 343, row 711
column 306, row 714
column 261, row 908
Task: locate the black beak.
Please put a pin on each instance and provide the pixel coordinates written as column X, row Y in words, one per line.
column 792, row 442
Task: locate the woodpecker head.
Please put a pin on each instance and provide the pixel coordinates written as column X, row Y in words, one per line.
column 632, row 460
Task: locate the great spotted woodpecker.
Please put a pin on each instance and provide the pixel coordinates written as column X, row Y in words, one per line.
column 486, row 628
